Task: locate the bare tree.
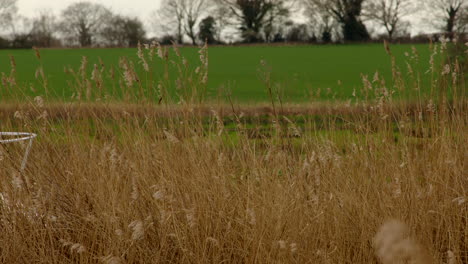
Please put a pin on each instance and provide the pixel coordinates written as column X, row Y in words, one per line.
column 221, row 17
column 276, row 21
column 389, row 14
column 463, row 21
column 323, row 23
column 170, row 18
column 347, row 13
column 193, row 9
column 253, row 15
column 448, row 14
column 43, row 29
column 181, row 17
column 82, row 22
column 20, row 32
column 8, row 9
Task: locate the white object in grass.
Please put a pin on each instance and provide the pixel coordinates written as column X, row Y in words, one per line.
column 13, row 137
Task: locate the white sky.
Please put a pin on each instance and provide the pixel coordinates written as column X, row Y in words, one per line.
column 140, row 8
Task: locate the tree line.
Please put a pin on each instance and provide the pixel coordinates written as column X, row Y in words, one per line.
column 86, row 24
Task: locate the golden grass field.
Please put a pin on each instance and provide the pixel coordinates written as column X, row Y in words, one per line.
column 364, row 181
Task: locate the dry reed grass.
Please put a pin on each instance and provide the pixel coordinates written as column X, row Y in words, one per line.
column 181, row 188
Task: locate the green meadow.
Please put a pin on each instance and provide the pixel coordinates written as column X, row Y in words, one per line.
column 299, row 73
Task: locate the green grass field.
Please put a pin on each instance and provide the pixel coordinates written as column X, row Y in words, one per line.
column 300, row 71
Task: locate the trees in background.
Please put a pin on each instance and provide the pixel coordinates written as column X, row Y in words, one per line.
column 207, row 30
column 254, row 17
column 277, row 19
column 322, row 23
column 348, row 13
column 193, row 10
column 250, row 16
column 463, row 21
column 389, row 14
column 20, row 34
column 221, row 17
column 121, row 31
column 216, row 21
column 448, row 15
column 8, row 10
column 89, row 24
column 170, row 17
column 298, row 33
column 181, row 18
column 43, row 29
column 82, row 22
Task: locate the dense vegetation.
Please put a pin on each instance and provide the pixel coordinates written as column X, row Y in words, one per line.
column 182, row 179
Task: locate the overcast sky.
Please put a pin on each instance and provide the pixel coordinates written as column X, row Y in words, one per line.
column 139, row 8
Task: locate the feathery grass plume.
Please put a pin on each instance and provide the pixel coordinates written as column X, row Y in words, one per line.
column 251, row 216
column 11, row 80
column 83, row 67
column 213, row 241
column 12, row 63
column 39, row 73
column 135, row 194
column 397, row 188
column 293, row 247
column 190, row 217
column 293, row 130
column 111, row 260
column 95, row 75
column 39, row 101
column 4, row 79
column 459, row 200
column 446, row 69
column 16, row 181
column 78, row 248
column 142, row 58
column 128, row 72
column 159, row 195
column 160, row 51
column 393, row 246
column 219, row 122
column 221, row 160
column 138, row 229
column 170, row 137
column 73, row 247
column 89, row 89
column 37, row 52
column 282, row 244
column 451, row 259
column 18, row 115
